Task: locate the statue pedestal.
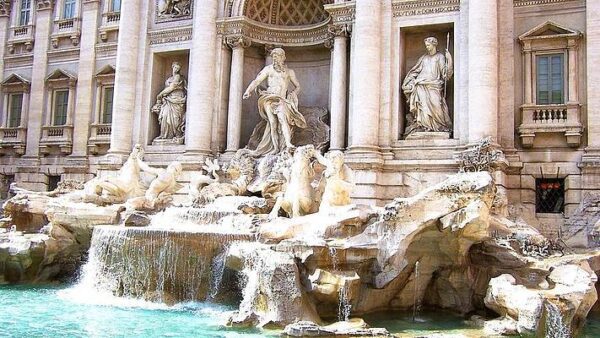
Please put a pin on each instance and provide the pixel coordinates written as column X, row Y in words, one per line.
column 170, row 141
column 429, row 135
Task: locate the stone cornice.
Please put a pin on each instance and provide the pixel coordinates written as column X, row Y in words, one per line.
column 44, row 4
column 526, row 3
column 341, row 13
column 419, row 7
column 273, row 35
column 170, row 35
column 4, row 8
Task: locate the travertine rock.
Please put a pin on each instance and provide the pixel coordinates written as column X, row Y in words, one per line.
column 354, row 328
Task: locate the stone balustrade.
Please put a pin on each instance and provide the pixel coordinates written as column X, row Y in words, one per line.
column 60, row 137
column 66, row 29
column 21, row 35
column 553, row 118
column 110, row 22
column 13, row 138
column 99, row 137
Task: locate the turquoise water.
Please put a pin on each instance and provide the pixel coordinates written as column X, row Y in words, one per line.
column 27, row 311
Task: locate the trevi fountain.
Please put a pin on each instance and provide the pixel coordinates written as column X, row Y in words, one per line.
column 267, row 240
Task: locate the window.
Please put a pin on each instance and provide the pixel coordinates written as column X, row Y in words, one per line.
column 550, row 195
column 61, row 103
column 550, row 79
column 15, row 103
column 115, row 6
column 24, row 12
column 107, row 104
column 69, row 9
column 53, row 181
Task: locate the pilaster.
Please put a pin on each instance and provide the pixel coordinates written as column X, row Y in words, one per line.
column 236, row 90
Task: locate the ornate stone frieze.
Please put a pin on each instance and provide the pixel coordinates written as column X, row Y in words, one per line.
column 526, row 3
column 420, row 7
column 274, row 35
column 170, row 35
column 341, row 13
column 44, row 4
column 237, row 42
column 4, row 8
column 170, row 10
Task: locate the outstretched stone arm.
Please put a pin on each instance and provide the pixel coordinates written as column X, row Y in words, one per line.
column 146, row 168
column 259, row 79
column 170, row 88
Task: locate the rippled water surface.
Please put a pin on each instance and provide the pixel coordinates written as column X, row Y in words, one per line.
column 27, row 311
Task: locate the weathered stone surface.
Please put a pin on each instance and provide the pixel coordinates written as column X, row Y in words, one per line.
column 354, row 328
column 136, row 219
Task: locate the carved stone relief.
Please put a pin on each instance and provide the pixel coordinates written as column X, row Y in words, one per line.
column 167, row 10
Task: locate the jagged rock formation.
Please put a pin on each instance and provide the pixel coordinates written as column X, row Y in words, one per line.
column 582, row 228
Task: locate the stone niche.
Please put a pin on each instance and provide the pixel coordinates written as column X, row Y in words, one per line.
column 312, row 68
column 161, row 71
column 412, row 47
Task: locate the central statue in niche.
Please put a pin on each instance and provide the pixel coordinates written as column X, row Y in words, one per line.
column 277, row 105
column 425, row 89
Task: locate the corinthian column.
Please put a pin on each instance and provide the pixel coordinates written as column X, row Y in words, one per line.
column 593, row 81
column 85, row 79
column 366, row 59
column 339, row 85
column 202, row 89
column 4, row 21
column 236, row 90
column 483, row 69
column 125, row 78
column 43, row 21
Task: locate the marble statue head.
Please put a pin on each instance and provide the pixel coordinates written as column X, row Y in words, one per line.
column 176, row 67
column 278, row 55
column 431, row 44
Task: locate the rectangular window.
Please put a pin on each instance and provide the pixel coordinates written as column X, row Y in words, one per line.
column 24, row 12
column 61, row 104
column 550, row 195
column 115, row 6
column 69, row 9
column 550, row 79
column 107, row 105
column 15, row 102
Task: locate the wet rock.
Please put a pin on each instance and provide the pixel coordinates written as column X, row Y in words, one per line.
column 136, row 219
column 353, row 328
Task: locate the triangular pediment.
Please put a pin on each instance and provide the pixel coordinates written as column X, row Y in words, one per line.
column 106, row 70
column 15, row 79
column 60, row 74
column 549, row 29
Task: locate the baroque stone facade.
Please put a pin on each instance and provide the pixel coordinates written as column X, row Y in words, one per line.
column 79, row 79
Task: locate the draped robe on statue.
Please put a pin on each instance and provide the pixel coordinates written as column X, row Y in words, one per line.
column 269, row 103
column 424, row 88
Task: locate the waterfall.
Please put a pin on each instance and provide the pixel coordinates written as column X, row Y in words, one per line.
column 344, row 306
column 154, row 264
column 218, row 268
column 555, row 326
column 334, row 258
column 416, row 295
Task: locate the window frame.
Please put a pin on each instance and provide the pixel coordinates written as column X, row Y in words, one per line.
column 9, row 113
column 55, row 103
column 23, row 10
column 112, row 8
column 535, row 74
column 103, row 105
column 72, row 7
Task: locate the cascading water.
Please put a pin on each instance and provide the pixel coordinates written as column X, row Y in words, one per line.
column 155, row 264
column 416, row 295
column 334, row 258
column 217, row 268
column 344, row 306
column 555, row 326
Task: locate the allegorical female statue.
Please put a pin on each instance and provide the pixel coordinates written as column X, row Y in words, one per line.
column 277, row 105
column 170, row 107
column 424, row 86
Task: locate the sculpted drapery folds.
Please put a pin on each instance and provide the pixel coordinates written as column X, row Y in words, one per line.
column 424, row 87
column 171, row 106
column 277, row 105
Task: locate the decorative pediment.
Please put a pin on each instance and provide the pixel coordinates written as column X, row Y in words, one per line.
column 15, row 82
column 106, row 70
column 15, row 79
column 61, row 77
column 549, row 29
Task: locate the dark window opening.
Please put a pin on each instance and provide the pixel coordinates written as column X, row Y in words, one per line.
column 53, row 182
column 549, row 195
